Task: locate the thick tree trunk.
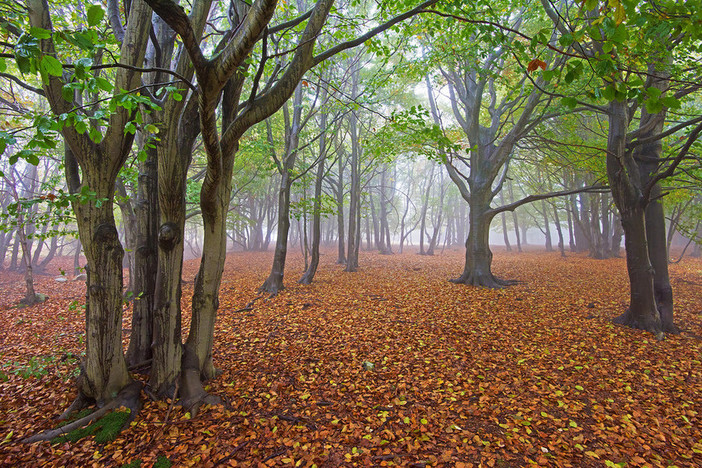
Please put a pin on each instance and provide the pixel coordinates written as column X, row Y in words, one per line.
column 478, row 265
column 174, row 156
column 642, row 312
column 104, row 370
column 207, row 282
column 624, row 180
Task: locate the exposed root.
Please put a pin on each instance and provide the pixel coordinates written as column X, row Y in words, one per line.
column 271, row 287
column 629, row 319
column 485, row 281
column 78, row 404
column 192, row 394
column 128, row 397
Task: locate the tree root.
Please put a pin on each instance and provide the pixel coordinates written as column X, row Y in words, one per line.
column 485, row 281
column 78, row 404
column 192, row 394
column 628, row 319
column 271, row 287
column 128, row 397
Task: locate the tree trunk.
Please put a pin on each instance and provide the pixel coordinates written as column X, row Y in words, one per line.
column 624, row 180
column 274, row 282
column 559, row 230
column 515, row 218
column 145, row 261
column 341, row 257
column 354, row 238
column 104, row 370
column 547, row 228
column 503, row 215
column 308, row 276
column 478, row 266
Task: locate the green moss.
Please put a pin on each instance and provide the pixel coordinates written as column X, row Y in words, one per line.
column 104, row 429
column 162, row 462
column 135, row 464
column 76, row 416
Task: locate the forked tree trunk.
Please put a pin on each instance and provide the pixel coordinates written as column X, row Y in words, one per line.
column 624, row 180
column 308, row 276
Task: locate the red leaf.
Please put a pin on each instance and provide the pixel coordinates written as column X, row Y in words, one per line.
column 536, row 63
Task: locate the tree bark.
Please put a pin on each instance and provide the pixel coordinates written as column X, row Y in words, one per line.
column 624, row 179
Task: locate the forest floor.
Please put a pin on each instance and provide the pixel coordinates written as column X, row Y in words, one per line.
column 392, row 365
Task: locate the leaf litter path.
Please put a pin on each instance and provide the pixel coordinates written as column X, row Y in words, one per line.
column 392, row 365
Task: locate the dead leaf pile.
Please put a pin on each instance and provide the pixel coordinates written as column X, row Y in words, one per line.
column 392, row 365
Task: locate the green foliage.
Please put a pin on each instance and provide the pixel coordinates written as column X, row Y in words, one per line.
column 409, row 131
column 304, row 206
column 39, row 366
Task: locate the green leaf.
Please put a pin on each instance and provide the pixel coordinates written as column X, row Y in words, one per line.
column 51, row 66
column 81, row 127
column 654, row 105
column 40, row 33
column 671, row 102
column 95, row 135
column 67, row 93
column 653, row 92
column 608, row 93
column 103, row 84
column 95, row 15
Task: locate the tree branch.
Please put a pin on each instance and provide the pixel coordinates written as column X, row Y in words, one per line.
column 544, row 196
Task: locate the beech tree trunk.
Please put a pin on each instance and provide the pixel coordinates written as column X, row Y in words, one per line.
column 145, row 262
column 624, row 180
column 104, row 369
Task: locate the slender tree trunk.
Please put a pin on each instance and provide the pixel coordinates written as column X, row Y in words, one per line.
column 354, row 237
column 515, row 218
column 503, row 215
column 547, row 228
column 145, row 261
column 274, row 282
column 308, row 276
column 571, row 238
column 559, row 230
column 425, row 207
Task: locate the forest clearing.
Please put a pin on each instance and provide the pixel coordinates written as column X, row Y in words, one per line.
column 392, row 365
